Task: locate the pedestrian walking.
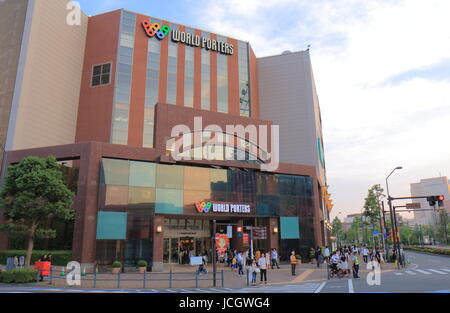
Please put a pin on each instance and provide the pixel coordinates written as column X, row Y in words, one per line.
column 355, row 261
column 319, row 256
column 274, row 257
column 240, row 260
column 365, row 253
column 262, row 263
column 293, row 263
column 327, row 254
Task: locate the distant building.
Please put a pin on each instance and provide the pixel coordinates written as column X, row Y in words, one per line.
column 430, row 187
column 349, row 220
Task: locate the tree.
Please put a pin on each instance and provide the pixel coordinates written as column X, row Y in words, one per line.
column 34, row 192
column 442, row 226
column 372, row 207
column 337, row 228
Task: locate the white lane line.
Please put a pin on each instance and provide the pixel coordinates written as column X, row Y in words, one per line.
column 350, row 286
column 169, row 290
column 229, row 289
column 422, row 272
column 410, row 273
column 398, row 274
column 318, row 290
column 201, row 290
column 444, row 269
column 216, row 290
column 439, row 272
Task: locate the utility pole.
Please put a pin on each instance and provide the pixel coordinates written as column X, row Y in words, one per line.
column 383, row 227
column 214, row 253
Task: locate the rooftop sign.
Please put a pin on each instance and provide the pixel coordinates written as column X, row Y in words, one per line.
column 161, row 32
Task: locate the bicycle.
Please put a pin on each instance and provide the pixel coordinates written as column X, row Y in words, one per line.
column 335, row 271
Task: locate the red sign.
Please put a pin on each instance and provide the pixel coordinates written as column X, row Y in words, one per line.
column 246, row 238
column 222, row 243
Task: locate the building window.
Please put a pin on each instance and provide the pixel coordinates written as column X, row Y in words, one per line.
column 222, row 81
column 189, row 74
column 244, row 85
column 172, row 70
column 206, row 77
column 101, row 74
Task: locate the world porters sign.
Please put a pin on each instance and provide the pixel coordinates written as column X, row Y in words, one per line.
column 161, row 32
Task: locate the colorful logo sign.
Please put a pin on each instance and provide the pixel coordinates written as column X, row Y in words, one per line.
column 203, row 207
column 155, row 29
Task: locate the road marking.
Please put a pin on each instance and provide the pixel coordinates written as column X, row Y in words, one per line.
column 439, row 272
column 318, row 290
column 398, row 274
column 201, row 290
column 350, row 286
column 444, row 269
column 169, row 290
column 410, row 272
column 216, row 290
column 302, row 276
column 228, row 289
column 422, row 272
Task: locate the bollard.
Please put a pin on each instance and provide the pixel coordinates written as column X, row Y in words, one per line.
column 51, row 274
column 118, row 280
column 196, row 279
column 95, row 278
column 170, row 279
column 223, row 284
column 145, row 279
column 248, row 278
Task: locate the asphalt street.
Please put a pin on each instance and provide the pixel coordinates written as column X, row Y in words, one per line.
column 426, row 273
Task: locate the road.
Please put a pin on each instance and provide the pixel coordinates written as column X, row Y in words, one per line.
column 426, row 274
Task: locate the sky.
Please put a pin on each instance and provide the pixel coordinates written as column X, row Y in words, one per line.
column 382, row 71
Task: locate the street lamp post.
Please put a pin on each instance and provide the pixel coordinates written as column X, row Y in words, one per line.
column 396, row 247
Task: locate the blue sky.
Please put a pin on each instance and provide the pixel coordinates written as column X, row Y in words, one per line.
column 382, row 70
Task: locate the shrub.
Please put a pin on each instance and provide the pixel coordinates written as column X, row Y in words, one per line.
column 59, row 258
column 19, row 276
column 429, row 250
column 116, row 264
column 142, row 263
column 298, row 256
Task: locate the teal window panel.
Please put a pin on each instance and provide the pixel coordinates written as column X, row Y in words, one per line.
column 112, row 226
column 290, row 228
column 142, row 174
column 169, row 201
column 115, row 172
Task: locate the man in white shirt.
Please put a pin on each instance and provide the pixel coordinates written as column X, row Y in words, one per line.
column 327, row 254
column 365, row 253
column 335, row 260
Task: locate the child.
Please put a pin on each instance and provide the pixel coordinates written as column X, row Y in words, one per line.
column 234, row 264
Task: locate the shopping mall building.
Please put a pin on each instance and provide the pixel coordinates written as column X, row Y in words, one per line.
column 104, row 94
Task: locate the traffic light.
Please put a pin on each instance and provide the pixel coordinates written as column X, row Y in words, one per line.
column 441, row 200
column 433, row 199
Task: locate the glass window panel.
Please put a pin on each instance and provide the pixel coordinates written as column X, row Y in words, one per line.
column 142, row 174
column 192, row 196
column 97, row 70
column 105, row 79
column 169, row 201
column 124, row 68
column 96, row 81
column 196, row 178
column 289, row 228
column 169, row 176
column 115, row 172
column 219, row 180
column 116, row 195
column 126, row 51
column 111, row 225
column 141, row 195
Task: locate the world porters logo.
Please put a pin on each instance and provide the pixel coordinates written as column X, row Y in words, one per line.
column 203, row 207
column 155, row 29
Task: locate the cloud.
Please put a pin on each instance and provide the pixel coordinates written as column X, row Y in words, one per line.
column 382, row 74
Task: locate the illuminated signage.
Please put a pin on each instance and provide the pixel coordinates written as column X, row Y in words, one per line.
column 206, row 207
column 161, row 32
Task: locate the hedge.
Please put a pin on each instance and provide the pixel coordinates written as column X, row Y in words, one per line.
column 429, row 250
column 18, row 276
column 59, row 258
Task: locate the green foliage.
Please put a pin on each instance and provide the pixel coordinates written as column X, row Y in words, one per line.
column 116, row 264
column 34, row 193
column 298, row 256
column 429, row 250
column 142, row 263
column 59, row 258
column 372, row 207
column 18, row 276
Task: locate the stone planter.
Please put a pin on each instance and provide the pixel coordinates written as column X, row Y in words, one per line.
column 142, row 270
column 116, row 270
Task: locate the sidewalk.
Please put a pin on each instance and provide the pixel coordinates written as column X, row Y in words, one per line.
column 184, row 277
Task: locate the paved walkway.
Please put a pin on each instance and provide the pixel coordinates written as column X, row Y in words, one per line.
column 183, row 276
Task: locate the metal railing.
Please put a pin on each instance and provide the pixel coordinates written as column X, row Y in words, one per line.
column 142, row 279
